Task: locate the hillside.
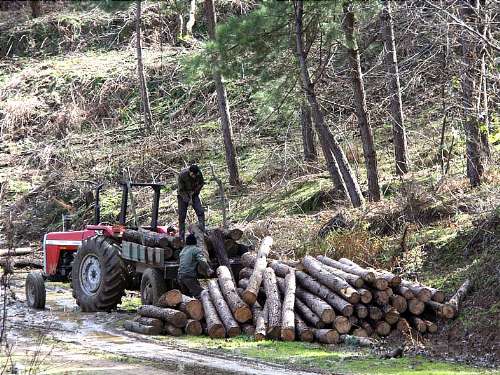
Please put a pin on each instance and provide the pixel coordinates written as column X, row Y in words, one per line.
column 70, row 118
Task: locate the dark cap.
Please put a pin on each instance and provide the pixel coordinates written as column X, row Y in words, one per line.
column 191, row 239
column 194, row 168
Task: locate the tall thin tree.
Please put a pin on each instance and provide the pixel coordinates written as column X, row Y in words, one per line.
column 396, row 105
column 310, row 153
column 226, row 127
column 143, row 88
column 337, row 163
column 360, row 103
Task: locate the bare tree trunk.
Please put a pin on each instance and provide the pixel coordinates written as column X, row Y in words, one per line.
column 391, row 61
column 191, row 19
column 227, row 132
column 337, row 163
column 483, row 107
column 360, row 104
column 310, row 153
column 148, row 117
column 35, row 8
column 470, row 84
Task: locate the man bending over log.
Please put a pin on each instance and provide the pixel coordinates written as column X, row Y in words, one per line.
column 190, row 182
column 190, row 258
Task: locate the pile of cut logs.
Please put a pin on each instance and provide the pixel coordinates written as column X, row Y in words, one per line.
column 317, row 299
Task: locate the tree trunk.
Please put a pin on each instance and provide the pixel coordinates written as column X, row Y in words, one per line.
column 191, row 18
column 404, row 291
column 225, row 117
column 232, row 327
column 379, row 281
column 310, row 153
column 260, row 321
column 134, row 326
column 421, row 292
column 217, row 240
column 324, row 311
column 170, row 299
column 255, row 280
column 355, row 280
column 443, row 310
column 396, row 105
column 273, row 304
column 191, row 307
column 280, row 269
column 326, row 336
column 16, row 252
column 365, row 295
column 215, row 328
column 337, row 163
column 457, row 298
column 151, row 239
column 148, row 117
column 307, row 314
column 399, row 302
column 200, row 239
column 193, row 328
column 335, row 283
column 149, row 322
column 342, row 324
column 174, row 317
column 437, row 295
column 360, row 104
column 240, row 309
column 303, row 332
column 470, row 85
column 287, row 310
column 350, row 267
column 35, row 8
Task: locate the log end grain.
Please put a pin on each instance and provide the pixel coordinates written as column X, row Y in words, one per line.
column 288, row 334
column 243, row 314
column 342, row 324
column 193, row 328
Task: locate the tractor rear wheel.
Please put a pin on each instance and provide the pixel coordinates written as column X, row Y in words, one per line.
column 98, row 275
column 35, row 290
column 152, row 286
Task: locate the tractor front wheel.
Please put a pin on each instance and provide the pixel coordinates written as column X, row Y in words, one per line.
column 35, row 290
column 98, row 275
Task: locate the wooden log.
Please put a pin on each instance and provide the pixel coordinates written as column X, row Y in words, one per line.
column 265, row 247
column 437, row 295
column 392, row 279
column 442, row 310
column 309, row 316
column 254, row 282
column 365, row 295
column 342, row 324
column 273, row 304
column 240, row 309
column 389, row 292
column 361, row 310
column 355, row 280
column 280, row 269
column 16, row 252
column 248, row 329
column 192, row 307
column 338, row 303
column 404, row 291
column 10, row 264
column 415, row 306
column 403, row 325
column 245, row 273
column 382, row 328
column 172, row 330
column 223, row 310
column 134, row 326
column 380, row 297
column 217, row 239
column 302, row 331
column 324, row 311
column 151, row 239
column 174, row 317
column 193, row 328
column 418, row 324
column 154, row 322
column 326, row 336
column 248, row 259
column 367, row 327
column 356, row 340
column 215, row 328
column 431, row 326
column 375, row 313
column 170, row 299
column 399, row 303
column 379, row 281
column 260, row 321
column 287, row 311
column 421, row 292
column 360, row 332
column 235, row 233
column 231, row 248
column 316, row 269
column 460, row 294
column 391, row 315
column 367, row 276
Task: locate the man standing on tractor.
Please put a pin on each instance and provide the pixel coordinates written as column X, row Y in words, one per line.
column 190, row 182
column 191, row 258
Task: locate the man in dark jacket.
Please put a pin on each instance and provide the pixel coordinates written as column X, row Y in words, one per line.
column 190, row 259
column 190, row 182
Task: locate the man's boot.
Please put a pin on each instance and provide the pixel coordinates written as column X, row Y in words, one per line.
column 182, row 232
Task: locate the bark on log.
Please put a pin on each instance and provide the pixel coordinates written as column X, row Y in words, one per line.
column 399, row 303
column 442, row 310
column 355, row 280
column 378, row 281
column 240, row 309
column 420, row 291
column 366, row 275
column 316, row 269
column 192, row 307
column 391, row 315
column 170, row 299
column 367, row 327
column 308, row 315
column 342, row 324
column 338, row 303
column 248, row 329
column 326, row 336
column 288, row 314
column 457, row 298
column 172, row 330
column 404, row 291
column 134, row 326
column 215, row 328
column 154, row 322
column 437, row 295
column 254, row 282
column 245, row 273
column 151, row 239
column 324, row 311
column 361, row 310
column 418, row 324
column 16, row 252
column 303, row 332
column 403, row 325
column 248, row 259
column 415, row 306
column 193, row 328
column 375, row 313
column 382, row 328
column 217, row 238
column 200, row 239
column 365, row 295
column 10, row 264
column 230, row 324
column 357, row 340
column 380, row 297
column 273, row 304
column 265, row 247
column 260, row 321
column 235, row 233
column 431, row 326
column 359, row 332
column 174, row 317
column 392, row 279
column 280, row 269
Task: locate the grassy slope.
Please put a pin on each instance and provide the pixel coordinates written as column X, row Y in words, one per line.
column 73, row 116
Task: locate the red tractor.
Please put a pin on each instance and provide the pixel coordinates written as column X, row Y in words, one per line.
column 100, row 265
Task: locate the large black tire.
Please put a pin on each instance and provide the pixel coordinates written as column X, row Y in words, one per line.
column 152, row 286
column 98, row 275
column 35, row 290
